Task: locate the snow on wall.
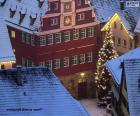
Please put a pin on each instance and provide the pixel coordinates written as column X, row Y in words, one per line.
column 35, row 92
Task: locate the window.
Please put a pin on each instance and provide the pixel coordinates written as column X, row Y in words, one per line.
column 32, row 41
column 56, row 63
column 75, row 34
column 54, row 21
column 119, row 41
column 115, row 25
column 42, row 64
column 23, row 37
column 67, row 36
column 49, row 64
column 67, row 7
column 82, row 58
column 91, row 32
column 28, row 37
column 43, row 41
column 66, row 61
column 83, row 33
column 58, row 37
column 89, row 57
column 50, row 39
column 74, row 60
column 79, row 2
column 121, row 26
column 124, row 43
column 13, row 34
column 81, row 16
column 55, row 6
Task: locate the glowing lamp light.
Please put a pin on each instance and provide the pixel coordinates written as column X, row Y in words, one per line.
column 82, row 74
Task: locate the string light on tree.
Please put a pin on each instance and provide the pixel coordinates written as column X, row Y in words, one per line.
column 107, row 52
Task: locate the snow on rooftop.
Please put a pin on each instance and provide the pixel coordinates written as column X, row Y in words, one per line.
column 105, row 9
column 39, row 94
column 27, row 7
column 6, row 52
column 137, row 29
column 132, row 75
column 114, row 66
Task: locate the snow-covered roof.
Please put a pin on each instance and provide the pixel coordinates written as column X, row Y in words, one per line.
column 105, row 9
column 6, row 52
column 132, row 74
column 35, row 92
column 30, row 8
column 137, row 29
column 114, row 66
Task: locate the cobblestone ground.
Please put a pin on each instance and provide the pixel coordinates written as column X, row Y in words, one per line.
column 92, row 108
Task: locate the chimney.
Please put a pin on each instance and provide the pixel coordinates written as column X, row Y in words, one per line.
column 122, row 4
column 19, row 79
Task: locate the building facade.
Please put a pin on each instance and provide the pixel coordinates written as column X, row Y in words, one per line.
column 68, row 44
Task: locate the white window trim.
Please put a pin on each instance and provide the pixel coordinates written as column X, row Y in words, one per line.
column 54, row 21
column 66, row 61
column 75, row 60
column 58, row 37
column 82, row 58
column 56, row 63
column 91, row 32
column 43, row 41
column 83, row 33
column 50, row 37
column 89, row 57
column 67, row 35
column 81, row 16
column 75, row 34
column 49, row 64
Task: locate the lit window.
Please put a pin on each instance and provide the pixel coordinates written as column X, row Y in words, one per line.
column 74, row 60
column 83, row 33
column 58, row 37
column 13, row 34
column 42, row 41
column 67, row 36
column 82, row 58
column 81, row 16
column 49, row 64
column 56, row 63
column 50, row 39
column 67, row 7
column 75, row 34
column 89, row 57
column 54, row 21
column 91, row 32
column 66, row 61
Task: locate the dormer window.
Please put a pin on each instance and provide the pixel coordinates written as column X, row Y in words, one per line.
column 33, row 18
column 54, row 21
column 81, row 16
column 22, row 14
column 12, row 10
column 2, row 2
column 40, row 3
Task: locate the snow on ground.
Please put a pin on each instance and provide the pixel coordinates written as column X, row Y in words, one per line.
column 92, row 108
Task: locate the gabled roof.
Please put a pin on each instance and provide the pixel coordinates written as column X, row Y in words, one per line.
column 132, row 73
column 105, row 9
column 114, row 66
column 35, row 92
column 6, row 52
column 28, row 7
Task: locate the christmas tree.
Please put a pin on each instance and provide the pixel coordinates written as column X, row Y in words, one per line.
column 107, row 52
